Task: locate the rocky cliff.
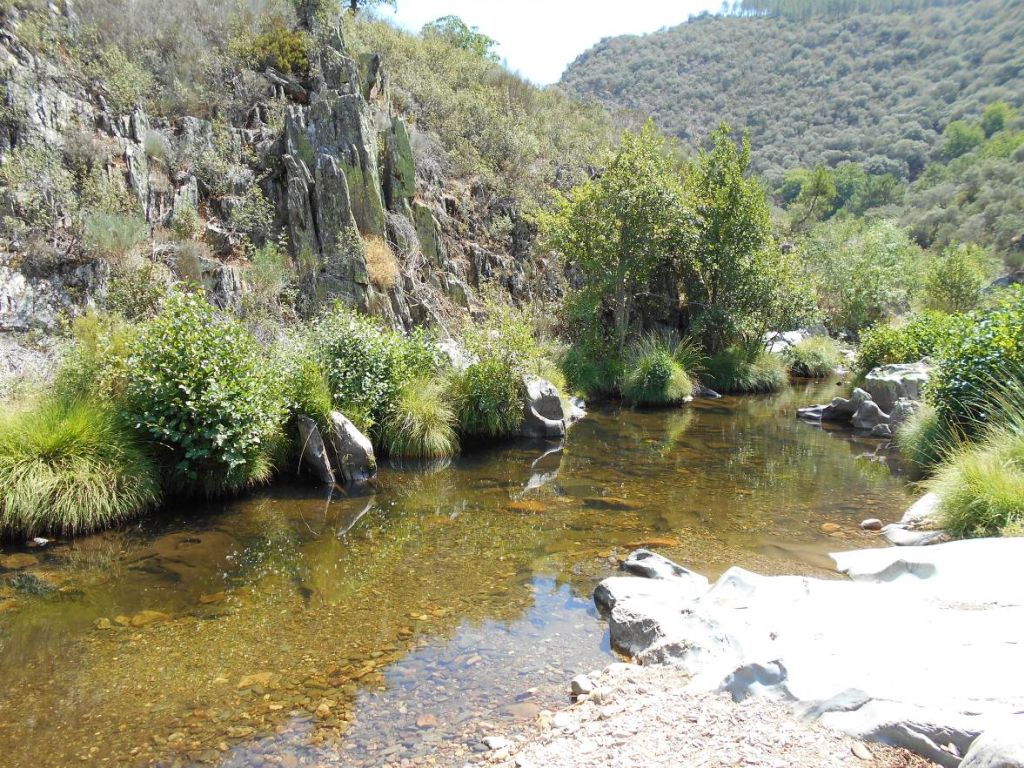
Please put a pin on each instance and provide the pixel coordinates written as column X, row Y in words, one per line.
column 333, row 161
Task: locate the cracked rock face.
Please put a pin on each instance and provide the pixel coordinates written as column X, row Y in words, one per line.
column 919, row 648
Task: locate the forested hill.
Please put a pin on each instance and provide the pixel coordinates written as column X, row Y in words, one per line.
column 819, row 81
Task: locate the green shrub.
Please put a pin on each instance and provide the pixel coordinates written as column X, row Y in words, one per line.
column 367, row 365
column 653, row 376
column 70, row 467
column 422, row 424
column 137, row 290
column 306, row 389
column 126, row 83
column 113, row 236
column 93, row 365
column 736, row 370
column 922, row 335
column 977, row 361
column 955, row 278
column 981, row 486
column 590, row 371
column 814, row 358
column 185, row 222
column 198, row 384
column 924, row 439
column 275, row 45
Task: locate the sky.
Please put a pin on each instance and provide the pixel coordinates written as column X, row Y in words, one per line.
column 540, row 38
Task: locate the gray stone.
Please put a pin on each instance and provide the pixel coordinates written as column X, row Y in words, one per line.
column 581, row 685
column 902, row 411
column 919, row 525
column 1001, row 746
column 871, row 524
column 699, row 390
column 543, row 412
column 651, row 565
column 881, row 430
column 868, row 416
column 888, row 383
column 351, row 452
column 315, row 458
column 811, row 412
column 496, row 742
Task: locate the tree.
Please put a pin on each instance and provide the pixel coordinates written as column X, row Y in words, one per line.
column 355, row 5
column 738, row 283
column 817, row 196
column 623, row 228
column 955, row 278
column 996, row 117
column 456, row 32
column 960, row 137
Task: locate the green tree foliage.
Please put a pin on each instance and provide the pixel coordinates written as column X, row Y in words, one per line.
column 276, row 45
column 623, row 228
column 960, row 137
column 863, row 271
column 955, row 277
column 921, row 335
column 456, row 32
column 817, row 196
column 997, row 116
column 198, row 385
column 737, row 282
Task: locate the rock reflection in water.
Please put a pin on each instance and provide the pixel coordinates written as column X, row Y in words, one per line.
column 363, row 630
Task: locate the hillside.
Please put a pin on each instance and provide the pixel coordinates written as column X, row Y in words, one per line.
column 875, row 87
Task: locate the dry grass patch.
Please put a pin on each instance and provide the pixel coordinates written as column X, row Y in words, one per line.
column 381, row 264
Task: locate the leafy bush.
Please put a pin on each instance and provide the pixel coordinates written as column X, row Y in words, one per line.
column 306, row 389
column 488, row 397
column 864, row 272
column 137, row 290
column 93, row 365
column 977, row 361
column 922, row 335
column 736, row 370
column 268, row 277
column 814, row 358
column 422, row 424
column 653, row 376
column 113, row 236
column 367, row 365
column 70, row 467
column 275, row 45
column 127, row 84
column 591, row 371
column 185, row 222
column 954, row 279
column 198, row 385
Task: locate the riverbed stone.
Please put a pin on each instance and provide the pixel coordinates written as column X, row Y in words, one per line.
column 580, row 685
column 644, row 562
column 871, row 524
column 888, row 383
column 351, row 452
column 145, row 618
column 868, row 416
column 543, row 412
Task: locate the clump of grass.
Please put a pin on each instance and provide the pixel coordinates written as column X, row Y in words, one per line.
column 924, row 439
column 381, row 264
column 653, row 376
column 488, row 399
column 113, row 236
column 736, row 370
column 813, row 358
column 70, row 467
column 981, row 486
column 422, row 425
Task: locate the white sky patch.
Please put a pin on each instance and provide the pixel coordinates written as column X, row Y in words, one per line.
column 540, row 38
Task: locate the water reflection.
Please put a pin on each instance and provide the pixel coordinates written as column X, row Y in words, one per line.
column 373, row 628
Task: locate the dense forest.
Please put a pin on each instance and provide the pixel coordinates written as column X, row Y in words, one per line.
column 874, row 87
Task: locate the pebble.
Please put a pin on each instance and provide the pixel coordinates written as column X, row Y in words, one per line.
column 496, row 742
column 872, row 524
column 830, row 527
column 145, row 618
column 260, row 679
column 861, row 751
column 103, row 623
column 581, row 685
column 426, row 721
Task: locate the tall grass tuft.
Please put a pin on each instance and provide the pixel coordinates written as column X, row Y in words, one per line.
column 422, row 425
column 736, row 370
column 590, row 373
column 70, row 467
column 813, row 358
column 653, row 376
column 925, row 439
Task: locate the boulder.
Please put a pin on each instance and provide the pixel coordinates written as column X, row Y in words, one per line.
column 351, row 452
column 841, row 409
column 779, row 342
column 825, row 644
column 544, row 415
column 868, row 416
column 315, row 458
column 888, row 383
column 999, row 747
column 919, row 525
column 902, row 411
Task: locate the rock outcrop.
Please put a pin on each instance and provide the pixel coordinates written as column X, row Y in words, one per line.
column 859, row 411
column 351, row 453
column 838, row 648
column 545, row 413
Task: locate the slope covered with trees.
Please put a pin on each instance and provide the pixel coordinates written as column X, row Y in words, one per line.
column 819, row 82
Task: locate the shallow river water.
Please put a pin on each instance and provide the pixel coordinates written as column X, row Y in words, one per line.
column 289, row 628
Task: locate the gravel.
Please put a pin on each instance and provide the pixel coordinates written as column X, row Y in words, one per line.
column 646, row 716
